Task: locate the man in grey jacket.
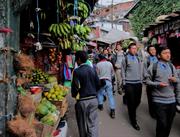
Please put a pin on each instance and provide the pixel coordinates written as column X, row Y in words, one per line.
column 163, row 78
column 105, row 72
column 132, row 82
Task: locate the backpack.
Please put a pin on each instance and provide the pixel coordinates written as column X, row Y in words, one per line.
column 154, row 70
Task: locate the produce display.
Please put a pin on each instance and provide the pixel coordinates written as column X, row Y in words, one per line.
column 38, row 77
column 48, row 112
column 52, row 54
column 57, row 93
column 45, row 107
column 21, row 90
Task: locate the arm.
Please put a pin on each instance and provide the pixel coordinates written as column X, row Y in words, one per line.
column 123, row 71
column 97, row 81
column 149, row 76
column 75, row 85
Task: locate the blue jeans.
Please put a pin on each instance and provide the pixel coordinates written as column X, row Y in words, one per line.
column 107, row 89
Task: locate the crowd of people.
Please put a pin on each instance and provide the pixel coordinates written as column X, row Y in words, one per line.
column 125, row 72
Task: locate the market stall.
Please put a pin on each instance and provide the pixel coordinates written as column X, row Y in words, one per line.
column 166, row 32
column 50, row 33
column 42, row 102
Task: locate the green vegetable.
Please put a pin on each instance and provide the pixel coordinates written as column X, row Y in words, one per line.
column 49, row 119
column 42, row 109
column 21, row 90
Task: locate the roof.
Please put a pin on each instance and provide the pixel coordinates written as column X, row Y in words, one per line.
column 131, row 9
column 116, row 35
column 163, row 19
column 125, row 6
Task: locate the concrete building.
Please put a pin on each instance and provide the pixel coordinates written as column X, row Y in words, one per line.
column 112, row 17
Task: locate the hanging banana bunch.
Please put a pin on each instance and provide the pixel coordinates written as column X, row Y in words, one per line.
column 83, row 10
column 82, row 31
column 60, row 30
column 64, row 43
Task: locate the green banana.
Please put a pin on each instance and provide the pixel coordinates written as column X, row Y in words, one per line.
column 65, row 28
column 62, row 30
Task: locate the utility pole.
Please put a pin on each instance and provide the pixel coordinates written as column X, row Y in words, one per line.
column 112, row 13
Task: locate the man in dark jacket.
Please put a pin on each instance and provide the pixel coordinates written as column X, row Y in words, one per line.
column 163, row 78
column 85, row 85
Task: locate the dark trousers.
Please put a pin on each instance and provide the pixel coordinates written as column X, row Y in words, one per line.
column 150, row 103
column 164, row 115
column 87, row 117
column 133, row 96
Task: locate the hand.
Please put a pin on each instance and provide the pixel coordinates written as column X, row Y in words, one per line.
column 163, row 84
column 172, row 79
column 178, row 108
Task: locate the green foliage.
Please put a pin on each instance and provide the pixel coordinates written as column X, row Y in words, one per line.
column 149, row 10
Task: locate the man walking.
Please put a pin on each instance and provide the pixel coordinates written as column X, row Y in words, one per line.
column 163, row 78
column 132, row 82
column 117, row 63
column 85, row 84
column 150, row 60
column 105, row 72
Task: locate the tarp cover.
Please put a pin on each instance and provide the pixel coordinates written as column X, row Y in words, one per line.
column 115, row 35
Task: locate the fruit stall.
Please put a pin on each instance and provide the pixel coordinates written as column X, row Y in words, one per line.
column 42, row 102
column 46, row 36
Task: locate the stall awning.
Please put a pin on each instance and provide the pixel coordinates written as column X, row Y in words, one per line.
column 116, row 35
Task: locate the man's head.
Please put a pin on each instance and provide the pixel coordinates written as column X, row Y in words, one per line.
column 132, row 48
column 164, row 54
column 118, row 46
column 105, row 52
column 151, row 50
column 101, row 57
column 81, row 57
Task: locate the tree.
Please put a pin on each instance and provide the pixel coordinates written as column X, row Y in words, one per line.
column 148, row 10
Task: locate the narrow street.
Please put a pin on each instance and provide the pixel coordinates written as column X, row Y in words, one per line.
column 120, row 127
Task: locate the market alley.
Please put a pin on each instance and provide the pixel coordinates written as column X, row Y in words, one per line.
column 120, row 127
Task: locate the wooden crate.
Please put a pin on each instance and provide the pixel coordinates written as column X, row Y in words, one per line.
column 43, row 130
column 60, row 104
column 64, row 109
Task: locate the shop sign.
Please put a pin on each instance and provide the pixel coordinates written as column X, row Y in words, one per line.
column 156, row 31
column 165, row 27
column 170, row 24
column 161, row 30
column 176, row 24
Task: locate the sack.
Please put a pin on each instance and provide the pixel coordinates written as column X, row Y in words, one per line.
column 102, row 82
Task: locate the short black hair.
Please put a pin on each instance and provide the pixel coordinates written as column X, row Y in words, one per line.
column 131, row 44
column 161, row 48
column 101, row 57
column 82, row 55
column 150, row 46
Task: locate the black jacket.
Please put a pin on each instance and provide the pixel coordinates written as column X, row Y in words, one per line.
column 85, row 82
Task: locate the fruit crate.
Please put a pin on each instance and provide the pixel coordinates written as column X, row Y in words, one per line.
column 43, row 130
column 60, row 104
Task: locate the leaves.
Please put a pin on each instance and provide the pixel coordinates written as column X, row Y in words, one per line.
column 149, row 10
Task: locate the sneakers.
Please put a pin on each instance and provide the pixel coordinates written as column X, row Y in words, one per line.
column 136, row 126
column 100, row 107
column 112, row 113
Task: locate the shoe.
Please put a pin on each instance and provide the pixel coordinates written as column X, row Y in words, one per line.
column 136, row 126
column 120, row 92
column 124, row 100
column 112, row 113
column 104, row 99
column 100, row 107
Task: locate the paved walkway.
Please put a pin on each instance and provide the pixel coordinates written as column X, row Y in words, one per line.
column 120, row 127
